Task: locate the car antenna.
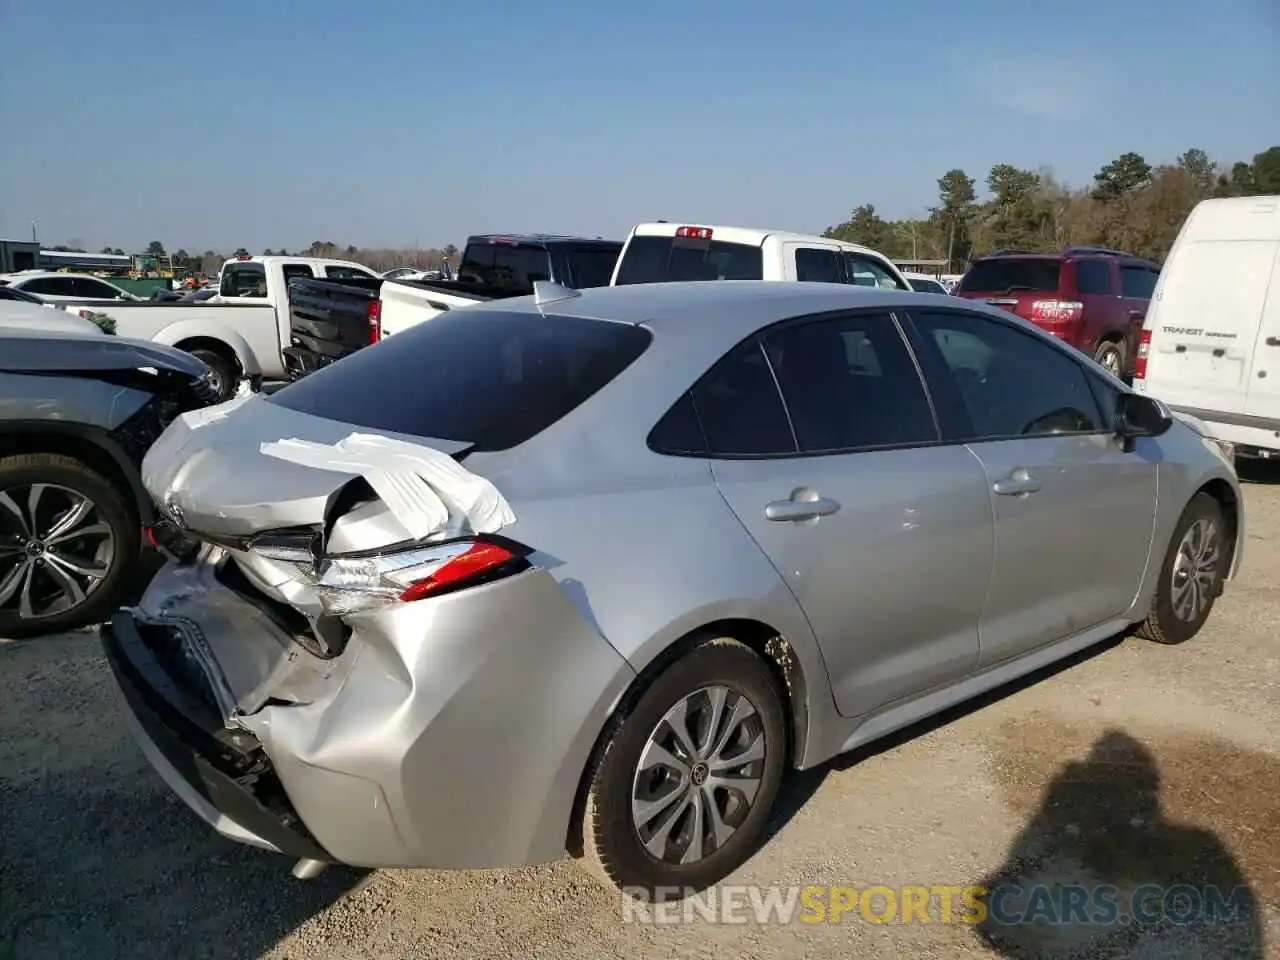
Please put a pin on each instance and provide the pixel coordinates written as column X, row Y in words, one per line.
column 547, row 291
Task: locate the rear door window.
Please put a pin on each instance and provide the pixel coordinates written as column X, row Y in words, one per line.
column 816, row 265
column 1010, row 275
column 336, row 272
column 1093, row 277
column 296, row 271
column 850, row 384
column 494, row 379
column 651, row 259
column 246, row 279
column 1138, row 283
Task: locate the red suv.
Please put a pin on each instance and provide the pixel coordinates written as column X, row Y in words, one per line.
column 1091, row 297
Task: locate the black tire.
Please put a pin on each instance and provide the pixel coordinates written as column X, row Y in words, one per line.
column 611, row 845
column 224, row 368
column 112, row 507
column 1111, row 354
column 1163, row 624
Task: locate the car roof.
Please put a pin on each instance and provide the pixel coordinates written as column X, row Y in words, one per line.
column 724, row 310
column 539, row 239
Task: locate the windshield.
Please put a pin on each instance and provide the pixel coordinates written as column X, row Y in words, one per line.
column 1009, row 275
column 491, row 378
column 649, row 259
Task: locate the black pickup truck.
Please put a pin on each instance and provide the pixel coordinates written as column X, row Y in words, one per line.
column 332, row 318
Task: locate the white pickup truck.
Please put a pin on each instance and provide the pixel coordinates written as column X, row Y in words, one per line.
column 661, row 252
column 239, row 333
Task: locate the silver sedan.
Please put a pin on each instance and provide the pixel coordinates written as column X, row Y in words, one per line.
column 590, row 572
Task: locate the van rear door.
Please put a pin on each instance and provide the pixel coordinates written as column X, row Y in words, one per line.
column 1205, row 317
column 1263, row 398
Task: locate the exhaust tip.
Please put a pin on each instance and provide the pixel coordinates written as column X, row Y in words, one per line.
column 309, row 869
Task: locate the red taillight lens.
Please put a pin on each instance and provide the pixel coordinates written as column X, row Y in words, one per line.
column 1140, row 361
column 694, row 233
column 358, row 584
column 374, row 312
column 478, row 558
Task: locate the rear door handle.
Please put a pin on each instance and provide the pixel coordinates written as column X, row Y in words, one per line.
column 1273, row 341
column 792, row 510
column 1137, row 314
column 1018, row 483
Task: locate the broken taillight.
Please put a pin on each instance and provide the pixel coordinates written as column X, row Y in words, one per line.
column 357, row 584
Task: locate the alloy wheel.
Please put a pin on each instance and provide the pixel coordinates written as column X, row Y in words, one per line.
column 1195, row 570
column 55, row 549
column 698, row 775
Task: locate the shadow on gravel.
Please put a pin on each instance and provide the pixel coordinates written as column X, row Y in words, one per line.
column 1102, row 868
column 799, row 787
column 97, row 858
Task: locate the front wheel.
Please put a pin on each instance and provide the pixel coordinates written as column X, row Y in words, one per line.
column 681, row 789
column 1192, row 574
column 68, row 541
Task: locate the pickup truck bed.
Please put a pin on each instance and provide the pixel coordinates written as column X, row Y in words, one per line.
column 329, row 319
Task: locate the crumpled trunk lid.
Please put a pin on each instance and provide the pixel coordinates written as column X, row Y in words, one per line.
column 208, row 474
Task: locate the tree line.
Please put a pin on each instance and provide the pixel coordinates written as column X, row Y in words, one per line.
column 1130, row 206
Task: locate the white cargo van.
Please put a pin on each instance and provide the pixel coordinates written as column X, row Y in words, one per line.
column 1210, row 344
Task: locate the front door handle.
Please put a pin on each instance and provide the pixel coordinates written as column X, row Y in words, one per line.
column 1273, row 341
column 1016, row 484
column 793, row 510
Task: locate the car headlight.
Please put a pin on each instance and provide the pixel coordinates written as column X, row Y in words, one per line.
column 1224, row 448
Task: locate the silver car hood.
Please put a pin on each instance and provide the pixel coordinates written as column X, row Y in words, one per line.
column 207, row 472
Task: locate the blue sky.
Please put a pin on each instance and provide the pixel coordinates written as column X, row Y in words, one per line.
column 379, row 123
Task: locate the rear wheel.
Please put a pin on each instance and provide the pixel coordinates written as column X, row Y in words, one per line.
column 68, row 539
column 681, row 789
column 1111, row 355
column 1192, row 574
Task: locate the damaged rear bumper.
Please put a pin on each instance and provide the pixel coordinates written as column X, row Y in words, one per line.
column 222, row 774
column 449, row 733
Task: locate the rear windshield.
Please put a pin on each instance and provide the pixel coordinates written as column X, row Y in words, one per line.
column 663, row 259
column 1007, row 275
column 512, row 268
column 488, row 377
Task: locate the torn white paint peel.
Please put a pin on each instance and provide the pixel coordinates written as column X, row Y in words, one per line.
column 427, row 490
column 194, row 419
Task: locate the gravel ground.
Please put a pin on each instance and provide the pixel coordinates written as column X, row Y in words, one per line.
column 1135, row 764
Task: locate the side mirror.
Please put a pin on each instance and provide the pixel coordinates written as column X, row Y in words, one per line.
column 1139, row 416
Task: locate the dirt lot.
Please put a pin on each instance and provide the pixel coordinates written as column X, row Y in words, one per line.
column 1136, row 764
